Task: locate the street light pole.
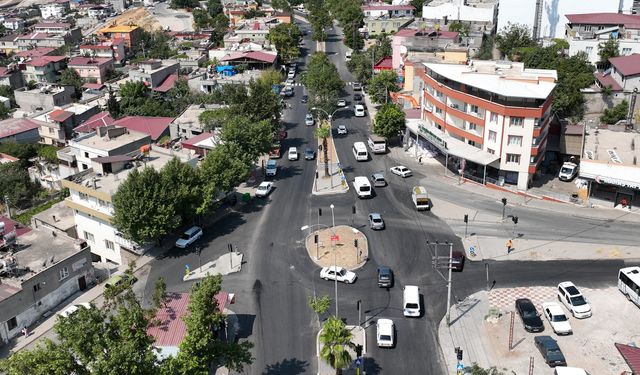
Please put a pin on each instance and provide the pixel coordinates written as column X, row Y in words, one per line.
column 335, row 260
column 449, row 285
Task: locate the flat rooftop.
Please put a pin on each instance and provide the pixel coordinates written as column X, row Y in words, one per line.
column 106, row 143
column 190, row 115
column 59, row 216
column 505, row 78
column 612, row 145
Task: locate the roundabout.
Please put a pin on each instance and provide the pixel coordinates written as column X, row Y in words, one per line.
column 342, row 246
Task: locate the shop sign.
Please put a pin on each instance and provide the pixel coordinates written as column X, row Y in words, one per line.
column 433, row 138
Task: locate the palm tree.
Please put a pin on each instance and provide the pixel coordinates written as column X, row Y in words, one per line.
column 323, row 132
column 335, row 339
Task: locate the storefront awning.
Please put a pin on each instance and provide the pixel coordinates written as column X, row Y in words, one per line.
column 450, row 145
column 610, row 173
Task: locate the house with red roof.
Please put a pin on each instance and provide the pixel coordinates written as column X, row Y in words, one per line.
column 35, row 52
column 384, row 63
column 20, row 130
column 114, row 49
column 99, row 119
column 154, row 72
column 44, row 69
column 92, row 69
column 56, row 126
column 254, row 59
column 623, row 75
column 585, row 32
column 156, row 127
column 11, row 76
column 201, row 144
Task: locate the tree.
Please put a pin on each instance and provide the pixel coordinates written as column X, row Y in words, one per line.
column 319, row 304
column 512, row 37
column 607, row 50
column 133, row 90
column 183, row 181
column 382, row 84
column 178, row 4
column 615, row 114
column 155, row 44
column 8, row 92
column 69, row 77
column 418, row 4
column 214, row 118
column 214, row 7
column 224, row 168
column 253, row 13
column 323, row 81
column 254, row 137
column 382, row 48
column 270, row 77
column 262, row 104
column 113, row 107
column 323, row 132
column 160, row 293
column 219, row 27
column 477, row 370
column 389, row 121
column 4, row 112
column 335, row 339
column 143, row 208
column 201, row 19
column 282, row 5
column 286, row 37
column 49, row 153
column 16, row 184
column 46, row 358
column 320, row 19
column 360, row 66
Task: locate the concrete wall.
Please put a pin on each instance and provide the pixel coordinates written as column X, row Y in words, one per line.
column 596, row 103
column 30, row 100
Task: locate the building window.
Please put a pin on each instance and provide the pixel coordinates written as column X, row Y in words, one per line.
column 86, row 154
column 587, row 28
column 515, row 140
column 83, row 196
column 36, row 287
column 12, row 323
column 439, row 110
column 492, row 152
column 494, row 117
column 64, row 273
column 84, row 166
column 108, row 244
column 472, row 126
column 493, row 136
column 89, row 236
column 472, row 143
column 102, row 203
column 626, row 51
column 513, row 158
column 516, row 121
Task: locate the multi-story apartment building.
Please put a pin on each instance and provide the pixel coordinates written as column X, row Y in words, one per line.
column 490, row 118
column 55, row 9
column 92, row 69
column 112, row 48
column 153, row 72
column 45, row 69
column 130, row 34
column 585, row 33
column 104, row 159
column 376, row 10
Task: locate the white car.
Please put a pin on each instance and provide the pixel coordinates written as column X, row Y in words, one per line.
column 359, row 110
column 190, row 236
column 264, row 189
column 555, row 315
column 308, row 120
column 73, row 308
column 272, row 167
column 342, row 129
column 342, row 103
column 293, row 153
column 385, row 333
column 291, row 74
column 573, row 300
column 401, row 171
column 339, row 273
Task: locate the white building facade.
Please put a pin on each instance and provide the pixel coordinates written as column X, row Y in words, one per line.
column 54, row 10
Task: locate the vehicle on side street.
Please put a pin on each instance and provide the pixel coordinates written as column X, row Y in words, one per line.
column 342, row 103
column 337, row 273
column 275, row 151
column 411, row 301
column 357, row 86
column 529, row 315
column 378, row 145
column 308, row 120
column 290, row 81
column 264, row 189
column 402, row 171
column 118, row 280
column 568, row 171
column 457, row 260
column 360, row 151
column 550, row 351
column 271, row 168
column 292, row 154
column 573, row 300
column 378, row 180
column 362, row 187
column 359, row 111
column 357, row 98
column 304, row 99
column 420, row 198
column 190, row 236
column 309, row 154
column 291, row 74
column 347, row 56
column 385, row 333
column 556, row 318
column 375, row 221
column 342, row 129
column 629, row 283
column 287, row 91
column 73, row 308
column 385, row 277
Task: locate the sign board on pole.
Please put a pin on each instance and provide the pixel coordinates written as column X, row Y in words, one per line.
column 335, row 238
column 358, row 361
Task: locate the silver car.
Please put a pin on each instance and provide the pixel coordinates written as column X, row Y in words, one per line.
column 375, row 221
column 378, row 180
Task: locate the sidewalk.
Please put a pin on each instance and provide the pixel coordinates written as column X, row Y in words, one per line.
column 359, row 338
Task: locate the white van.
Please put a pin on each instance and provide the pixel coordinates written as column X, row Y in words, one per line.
column 347, row 56
column 360, row 151
column 561, row 370
column 378, row 145
column 411, row 301
column 362, row 186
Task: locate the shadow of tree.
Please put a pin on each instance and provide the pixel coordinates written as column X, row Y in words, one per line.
column 291, row 366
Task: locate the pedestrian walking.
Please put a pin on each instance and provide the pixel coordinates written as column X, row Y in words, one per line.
column 25, row 331
column 509, row 246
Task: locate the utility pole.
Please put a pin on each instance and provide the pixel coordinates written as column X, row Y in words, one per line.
column 438, row 263
column 504, row 205
column 335, row 278
column 449, row 285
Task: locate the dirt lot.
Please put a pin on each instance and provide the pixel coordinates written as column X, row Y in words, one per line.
column 614, row 320
column 138, row 16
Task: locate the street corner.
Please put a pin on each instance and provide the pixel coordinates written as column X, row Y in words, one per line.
column 226, row 264
column 472, row 248
column 344, row 246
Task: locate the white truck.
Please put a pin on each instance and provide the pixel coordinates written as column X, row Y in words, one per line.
column 421, row 198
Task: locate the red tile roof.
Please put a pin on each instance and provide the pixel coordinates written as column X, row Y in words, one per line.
column 198, row 138
column 631, row 355
column 3, row 71
column 168, row 83
column 59, row 115
column 608, row 81
column 385, row 63
column 99, row 119
column 45, row 60
column 92, row 86
column 13, row 126
column 62, row 25
column 171, row 328
column 153, row 126
column 10, row 225
column 90, row 61
column 383, row 6
column 628, row 20
column 255, row 55
column 627, row 65
column 36, row 36
column 36, row 52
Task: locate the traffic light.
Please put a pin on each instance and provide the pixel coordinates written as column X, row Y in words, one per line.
column 319, row 209
column 459, row 353
column 355, row 242
column 315, row 238
column 515, row 219
column 504, row 201
column 466, row 218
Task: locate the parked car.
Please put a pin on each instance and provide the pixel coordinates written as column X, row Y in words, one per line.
column 401, row 171
column 573, row 300
column 272, row 168
column 305, row 98
column 119, row 280
column 190, row 236
column 292, row 154
column 556, row 318
column 342, row 129
column 339, row 273
column 385, row 333
column 359, row 110
column 375, row 221
column 264, row 189
column 342, row 103
column 378, row 180
column 308, row 120
column 357, row 86
column 457, row 260
column 529, row 315
column 309, row 154
column 357, row 98
column 291, row 74
column 73, row 308
column 385, row 277
column 550, row 351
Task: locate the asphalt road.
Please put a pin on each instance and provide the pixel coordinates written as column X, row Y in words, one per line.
column 278, row 277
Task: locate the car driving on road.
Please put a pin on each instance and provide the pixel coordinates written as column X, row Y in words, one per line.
column 375, row 221
column 309, row 154
column 359, row 110
column 401, row 171
column 529, row 315
column 342, row 103
column 292, row 154
column 190, row 236
column 342, row 129
column 385, row 333
column 308, row 120
column 385, row 277
column 339, row 273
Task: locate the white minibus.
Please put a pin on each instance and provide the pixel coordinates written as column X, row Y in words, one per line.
column 360, row 151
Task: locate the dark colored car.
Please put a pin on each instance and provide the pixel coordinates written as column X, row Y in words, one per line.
column 529, row 315
column 550, row 351
column 457, row 260
column 357, row 98
column 305, row 98
column 309, row 154
column 385, row 277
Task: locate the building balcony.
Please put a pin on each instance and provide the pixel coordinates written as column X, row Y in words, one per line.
column 66, row 155
column 454, row 121
column 457, row 104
